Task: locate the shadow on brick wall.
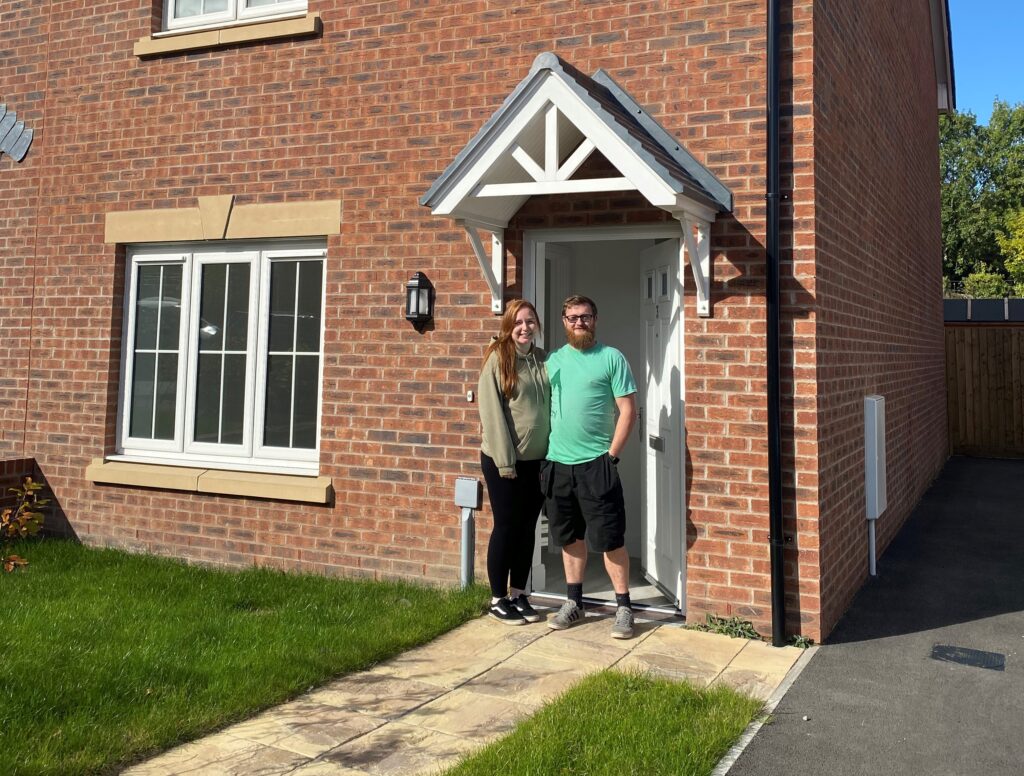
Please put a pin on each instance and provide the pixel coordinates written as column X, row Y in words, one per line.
column 12, row 473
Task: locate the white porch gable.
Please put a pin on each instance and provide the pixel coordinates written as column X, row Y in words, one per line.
column 537, row 142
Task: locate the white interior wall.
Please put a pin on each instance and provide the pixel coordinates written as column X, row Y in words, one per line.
column 606, row 271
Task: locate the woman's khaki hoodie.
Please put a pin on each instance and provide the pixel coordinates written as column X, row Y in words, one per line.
column 515, row 429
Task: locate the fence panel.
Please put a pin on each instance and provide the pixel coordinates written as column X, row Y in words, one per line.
column 985, row 389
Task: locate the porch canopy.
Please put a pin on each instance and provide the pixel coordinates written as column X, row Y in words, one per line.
column 540, row 137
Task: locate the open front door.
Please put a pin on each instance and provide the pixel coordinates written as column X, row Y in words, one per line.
column 661, row 406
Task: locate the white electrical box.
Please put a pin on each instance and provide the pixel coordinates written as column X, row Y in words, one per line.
column 874, row 456
column 467, row 493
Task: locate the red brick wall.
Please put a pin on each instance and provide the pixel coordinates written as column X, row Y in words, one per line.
column 878, row 261
column 372, row 112
column 23, row 69
column 13, row 472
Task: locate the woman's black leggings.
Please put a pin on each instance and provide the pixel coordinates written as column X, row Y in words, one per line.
column 515, row 504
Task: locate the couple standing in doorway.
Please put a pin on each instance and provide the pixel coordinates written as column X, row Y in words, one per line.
column 553, row 428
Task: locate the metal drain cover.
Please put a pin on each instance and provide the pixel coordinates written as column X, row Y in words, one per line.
column 975, row 658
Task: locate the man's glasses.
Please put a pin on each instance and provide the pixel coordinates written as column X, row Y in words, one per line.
column 586, row 319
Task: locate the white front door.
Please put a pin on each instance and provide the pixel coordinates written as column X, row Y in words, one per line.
column 661, row 406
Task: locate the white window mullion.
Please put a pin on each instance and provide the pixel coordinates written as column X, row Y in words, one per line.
column 294, row 355
column 223, row 356
column 184, row 355
column 156, row 352
column 256, row 282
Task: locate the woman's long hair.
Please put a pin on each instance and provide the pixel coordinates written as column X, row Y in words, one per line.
column 505, row 349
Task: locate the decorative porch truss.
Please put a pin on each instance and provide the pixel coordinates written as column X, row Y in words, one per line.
column 538, row 142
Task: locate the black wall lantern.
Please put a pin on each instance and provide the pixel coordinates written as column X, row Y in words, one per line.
column 419, row 301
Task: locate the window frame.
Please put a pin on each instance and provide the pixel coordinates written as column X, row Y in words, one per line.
column 201, row 259
column 236, row 13
column 161, row 257
column 183, row 449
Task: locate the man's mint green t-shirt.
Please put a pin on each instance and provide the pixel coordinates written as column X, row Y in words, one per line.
column 584, row 386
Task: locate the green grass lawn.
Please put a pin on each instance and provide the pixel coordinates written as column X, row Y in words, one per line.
column 106, row 657
column 616, row 724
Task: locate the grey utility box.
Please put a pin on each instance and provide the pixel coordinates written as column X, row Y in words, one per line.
column 467, row 493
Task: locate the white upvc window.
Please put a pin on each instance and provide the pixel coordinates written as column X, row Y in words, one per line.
column 186, row 14
column 223, row 356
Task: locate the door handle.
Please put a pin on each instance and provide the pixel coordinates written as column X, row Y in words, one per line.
column 640, row 423
column 656, row 443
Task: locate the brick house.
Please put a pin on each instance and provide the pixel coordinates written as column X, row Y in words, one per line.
column 206, row 248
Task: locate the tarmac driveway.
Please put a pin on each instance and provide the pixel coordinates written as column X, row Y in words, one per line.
column 873, row 700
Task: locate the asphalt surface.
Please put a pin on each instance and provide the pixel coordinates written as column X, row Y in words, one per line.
column 873, row 700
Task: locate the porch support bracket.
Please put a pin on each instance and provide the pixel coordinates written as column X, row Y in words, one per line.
column 698, row 251
column 493, row 268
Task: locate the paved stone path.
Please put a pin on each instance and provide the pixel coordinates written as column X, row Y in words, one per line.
column 426, row 708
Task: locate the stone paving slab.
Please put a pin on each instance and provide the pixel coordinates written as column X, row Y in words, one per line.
column 681, row 654
column 305, row 727
column 459, row 655
column 425, row 709
column 758, row 669
column 376, row 695
column 469, row 715
column 526, row 682
column 220, row 755
column 397, row 749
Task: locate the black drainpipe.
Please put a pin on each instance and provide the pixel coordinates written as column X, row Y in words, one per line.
column 775, row 536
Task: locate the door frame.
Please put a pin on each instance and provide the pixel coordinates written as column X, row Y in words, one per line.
column 534, row 252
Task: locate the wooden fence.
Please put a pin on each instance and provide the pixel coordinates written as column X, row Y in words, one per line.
column 985, row 389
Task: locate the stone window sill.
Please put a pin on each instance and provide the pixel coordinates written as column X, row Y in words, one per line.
column 150, row 46
column 277, row 487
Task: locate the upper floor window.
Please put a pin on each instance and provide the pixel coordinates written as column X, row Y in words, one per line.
column 223, row 355
column 187, row 14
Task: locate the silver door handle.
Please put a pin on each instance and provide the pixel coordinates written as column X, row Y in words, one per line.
column 656, row 443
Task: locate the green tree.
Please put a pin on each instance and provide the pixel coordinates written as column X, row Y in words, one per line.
column 1011, row 241
column 985, row 285
column 982, row 170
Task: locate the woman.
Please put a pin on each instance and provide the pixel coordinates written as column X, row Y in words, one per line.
column 514, row 410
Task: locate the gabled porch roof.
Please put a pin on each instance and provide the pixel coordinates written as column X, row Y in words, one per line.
column 543, row 133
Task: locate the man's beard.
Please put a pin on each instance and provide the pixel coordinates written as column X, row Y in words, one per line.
column 581, row 340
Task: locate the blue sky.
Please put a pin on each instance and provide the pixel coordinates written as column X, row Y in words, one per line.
column 988, row 53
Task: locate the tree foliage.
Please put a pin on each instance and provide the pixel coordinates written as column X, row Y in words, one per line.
column 1011, row 241
column 982, row 169
column 986, row 285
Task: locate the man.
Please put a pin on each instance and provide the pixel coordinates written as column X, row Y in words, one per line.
column 589, row 382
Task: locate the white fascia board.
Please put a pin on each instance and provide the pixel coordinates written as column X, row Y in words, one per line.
column 503, row 138
column 943, row 56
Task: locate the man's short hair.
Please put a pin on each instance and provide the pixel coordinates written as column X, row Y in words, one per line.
column 576, row 300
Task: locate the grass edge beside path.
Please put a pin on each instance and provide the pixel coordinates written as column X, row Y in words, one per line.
column 617, row 723
column 110, row 657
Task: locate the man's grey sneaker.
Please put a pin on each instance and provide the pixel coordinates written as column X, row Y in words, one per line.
column 623, row 627
column 570, row 614
column 522, row 604
column 502, row 610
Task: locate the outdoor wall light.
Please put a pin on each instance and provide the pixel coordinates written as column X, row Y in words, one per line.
column 419, row 301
